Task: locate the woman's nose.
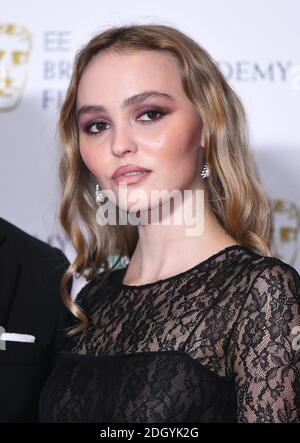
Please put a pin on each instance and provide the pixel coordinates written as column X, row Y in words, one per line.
column 123, row 141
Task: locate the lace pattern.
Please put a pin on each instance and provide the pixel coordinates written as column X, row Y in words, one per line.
column 214, row 343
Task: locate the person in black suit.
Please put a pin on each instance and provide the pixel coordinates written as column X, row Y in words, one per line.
column 30, row 303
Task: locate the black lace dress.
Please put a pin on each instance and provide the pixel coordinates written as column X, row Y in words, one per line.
column 217, row 343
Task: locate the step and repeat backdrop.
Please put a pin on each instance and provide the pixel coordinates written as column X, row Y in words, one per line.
column 255, row 43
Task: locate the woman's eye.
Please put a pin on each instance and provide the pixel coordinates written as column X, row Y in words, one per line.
column 150, row 113
column 94, row 128
column 98, row 127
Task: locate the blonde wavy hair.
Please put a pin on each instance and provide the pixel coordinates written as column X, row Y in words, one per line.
column 234, row 191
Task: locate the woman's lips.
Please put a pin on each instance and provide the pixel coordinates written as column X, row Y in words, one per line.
column 131, row 179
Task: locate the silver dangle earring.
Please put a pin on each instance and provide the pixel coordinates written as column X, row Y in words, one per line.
column 205, row 171
column 100, row 196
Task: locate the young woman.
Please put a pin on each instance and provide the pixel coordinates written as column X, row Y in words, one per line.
column 196, row 328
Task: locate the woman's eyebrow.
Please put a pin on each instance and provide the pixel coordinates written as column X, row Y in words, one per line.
column 137, row 98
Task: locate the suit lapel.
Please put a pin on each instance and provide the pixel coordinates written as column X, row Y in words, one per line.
column 9, row 278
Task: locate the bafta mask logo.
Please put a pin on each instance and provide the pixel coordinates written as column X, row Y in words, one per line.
column 15, row 49
column 285, row 230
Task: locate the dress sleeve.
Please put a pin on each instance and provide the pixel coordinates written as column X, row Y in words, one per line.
column 266, row 348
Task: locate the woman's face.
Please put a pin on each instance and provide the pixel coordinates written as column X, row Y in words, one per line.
column 160, row 133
